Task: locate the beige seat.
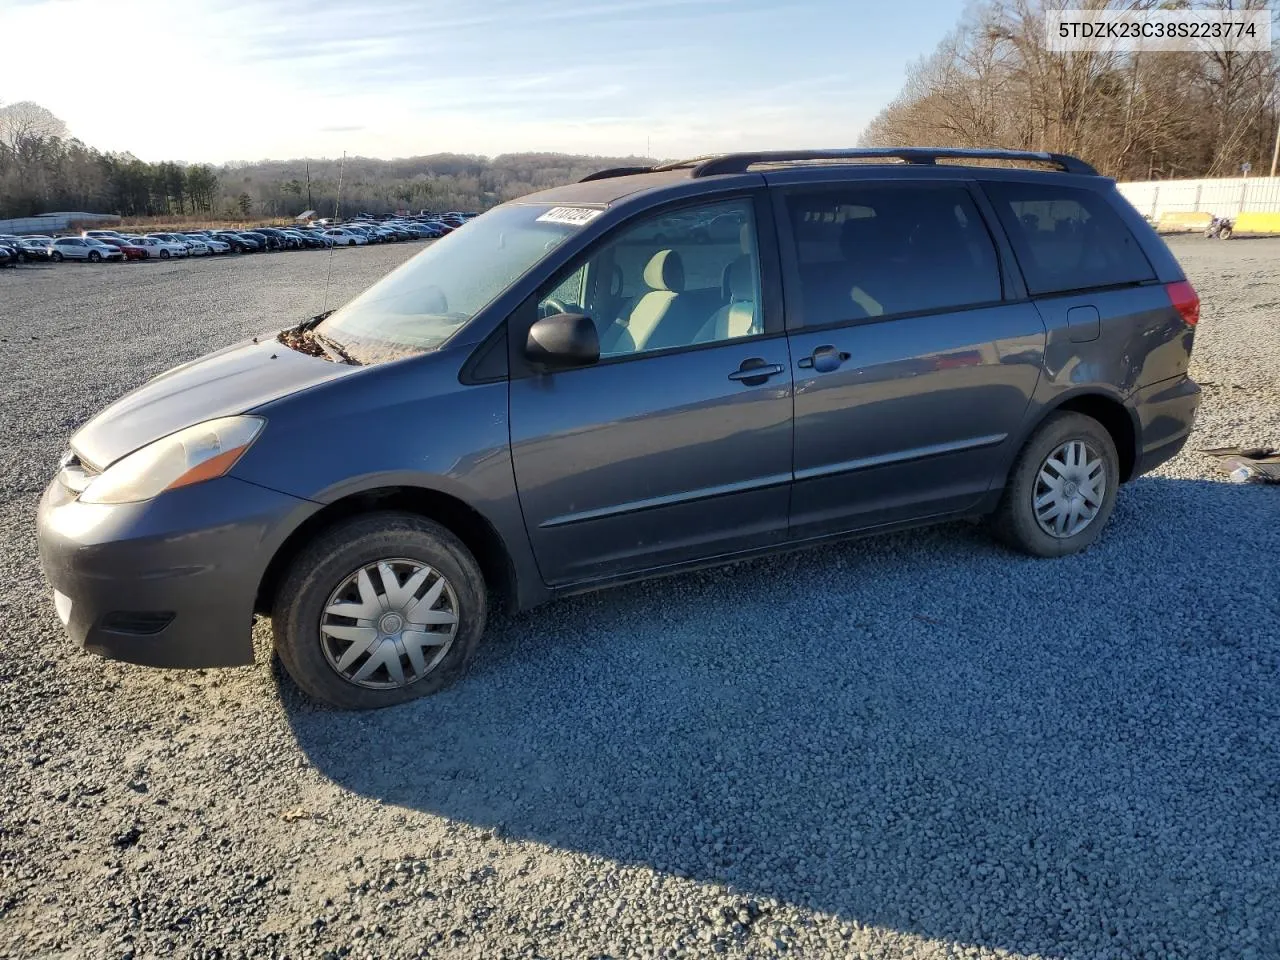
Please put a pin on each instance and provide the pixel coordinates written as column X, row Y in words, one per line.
column 746, row 244
column 664, row 276
column 740, row 316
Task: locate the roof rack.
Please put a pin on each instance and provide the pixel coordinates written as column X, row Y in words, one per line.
column 656, row 168
column 740, row 162
column 715, row 164
column 615, row 172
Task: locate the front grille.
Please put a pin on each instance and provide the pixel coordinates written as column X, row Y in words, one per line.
column 140, row 623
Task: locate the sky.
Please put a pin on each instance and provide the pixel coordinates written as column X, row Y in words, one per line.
column 228, row 80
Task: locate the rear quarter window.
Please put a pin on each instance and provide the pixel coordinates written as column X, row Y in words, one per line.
column 1067, row 238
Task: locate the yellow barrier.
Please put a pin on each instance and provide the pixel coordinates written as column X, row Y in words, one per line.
column 1170, row 222
column 1257, row 223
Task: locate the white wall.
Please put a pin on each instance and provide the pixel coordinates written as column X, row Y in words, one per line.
column 56, row 221
column 1224, row 197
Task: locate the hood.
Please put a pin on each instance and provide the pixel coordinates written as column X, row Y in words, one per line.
column 233, row 380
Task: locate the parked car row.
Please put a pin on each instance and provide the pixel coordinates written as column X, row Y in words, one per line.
column 96, row 246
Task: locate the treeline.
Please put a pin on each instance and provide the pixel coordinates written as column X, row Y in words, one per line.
column 42, row 170
column 442, row 181
column 991, row 82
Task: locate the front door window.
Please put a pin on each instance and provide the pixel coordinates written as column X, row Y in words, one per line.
column 679, row 279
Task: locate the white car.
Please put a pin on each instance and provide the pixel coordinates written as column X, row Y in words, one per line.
column 179, row 240
column 82, row 248
column 215, row 246
column 159, row 249
column 196, row 246
column 346, row 238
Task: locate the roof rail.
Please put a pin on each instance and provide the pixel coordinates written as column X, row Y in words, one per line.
column 615, row 172
column 740, row 162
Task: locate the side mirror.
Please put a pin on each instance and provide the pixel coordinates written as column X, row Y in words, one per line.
column 563, row 340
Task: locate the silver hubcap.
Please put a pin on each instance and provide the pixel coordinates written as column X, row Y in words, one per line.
column 1069, row 489
column 389, row 624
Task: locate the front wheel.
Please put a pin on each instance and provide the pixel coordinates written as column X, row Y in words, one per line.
column 1224, row 233
column 94, row 256
column 379, row 610
column 55, row 257
column 164, row 254
column 1062, row 488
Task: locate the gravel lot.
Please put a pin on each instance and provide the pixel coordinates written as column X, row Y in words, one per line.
column 912, row 746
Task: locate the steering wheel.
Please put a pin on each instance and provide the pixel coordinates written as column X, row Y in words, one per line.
column 551, row 306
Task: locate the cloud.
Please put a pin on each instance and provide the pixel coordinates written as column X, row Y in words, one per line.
column 403, row 77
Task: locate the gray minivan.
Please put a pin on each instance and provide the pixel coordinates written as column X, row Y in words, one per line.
column 648, row 370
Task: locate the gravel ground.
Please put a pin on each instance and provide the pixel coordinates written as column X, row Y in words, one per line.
column 911, row 746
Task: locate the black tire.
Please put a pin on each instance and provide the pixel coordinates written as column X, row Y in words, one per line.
column 1224, row 233
column 164, row 254
column 56, row 257
column 1015, row 521
column 333, row 557
column 94, row 256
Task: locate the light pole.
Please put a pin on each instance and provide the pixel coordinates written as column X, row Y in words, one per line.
column 1275, row 153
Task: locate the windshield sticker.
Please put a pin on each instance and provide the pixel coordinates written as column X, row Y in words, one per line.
column 573, row 216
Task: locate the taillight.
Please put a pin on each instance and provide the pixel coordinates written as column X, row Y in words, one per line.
column 1185, row 300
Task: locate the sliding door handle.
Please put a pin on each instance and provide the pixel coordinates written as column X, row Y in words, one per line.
column 756, row 371
column 825, row 359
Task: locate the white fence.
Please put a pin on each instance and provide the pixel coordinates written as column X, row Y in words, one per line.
column 1223, row 197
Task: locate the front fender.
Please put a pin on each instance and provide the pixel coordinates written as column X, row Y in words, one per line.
column 408, row 423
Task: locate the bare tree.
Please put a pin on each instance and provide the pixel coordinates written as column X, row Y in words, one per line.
column 26, row 120
column 993, row 82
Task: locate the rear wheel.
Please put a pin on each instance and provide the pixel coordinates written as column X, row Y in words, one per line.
column 379, row 610
column 1062, row 488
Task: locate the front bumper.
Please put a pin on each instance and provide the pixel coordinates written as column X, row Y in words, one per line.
column 170, row 582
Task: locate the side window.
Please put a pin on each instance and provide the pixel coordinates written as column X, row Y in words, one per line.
column 1067, row 238
column 870, row 250
column 673, row 280
column 568, row 296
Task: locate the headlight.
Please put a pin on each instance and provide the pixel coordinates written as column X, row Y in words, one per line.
column 202, row 452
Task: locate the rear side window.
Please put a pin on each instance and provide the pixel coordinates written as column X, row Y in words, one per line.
column 1067, row 238
column 874, row 250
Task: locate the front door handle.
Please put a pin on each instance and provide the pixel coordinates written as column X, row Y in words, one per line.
column 755, row 371
column 825, row 359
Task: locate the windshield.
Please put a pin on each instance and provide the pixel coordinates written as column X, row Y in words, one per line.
column 424, row 302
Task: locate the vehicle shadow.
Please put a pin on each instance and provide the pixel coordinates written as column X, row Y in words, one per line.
column 922, row 731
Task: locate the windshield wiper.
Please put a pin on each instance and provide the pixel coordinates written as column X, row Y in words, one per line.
column 332, row 346
column 312, row 322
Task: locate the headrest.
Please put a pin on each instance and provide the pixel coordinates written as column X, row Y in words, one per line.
column 856, row 235
column 665, row 271
column 875, row 239
column 742, row 280
column 744, row 237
